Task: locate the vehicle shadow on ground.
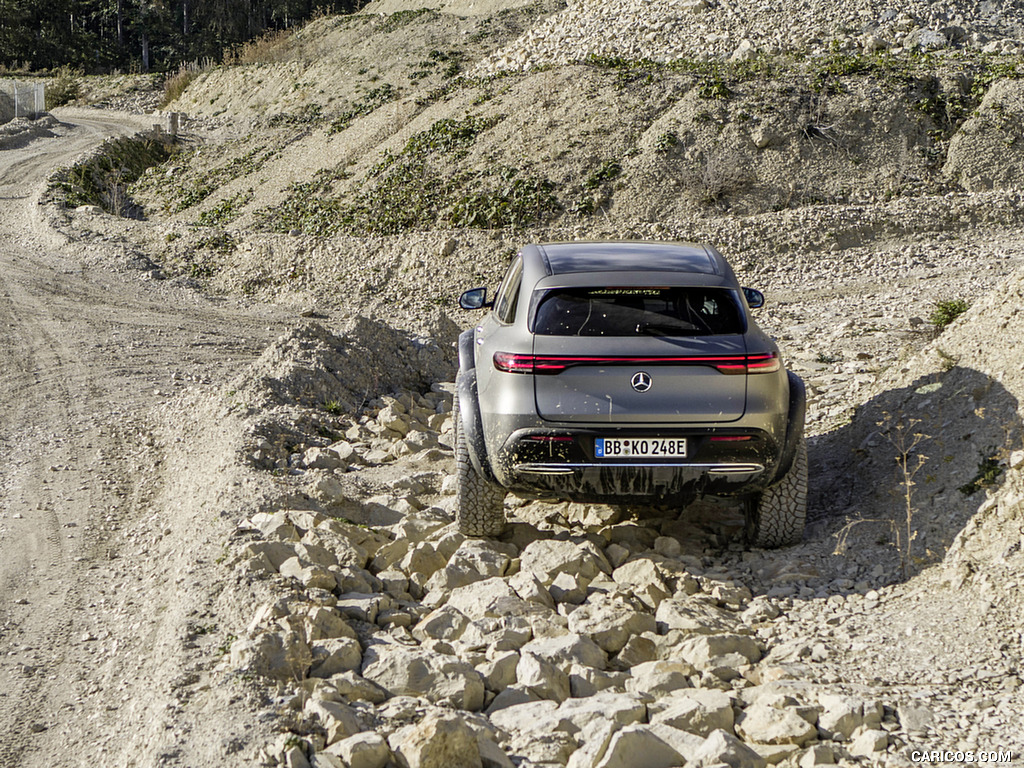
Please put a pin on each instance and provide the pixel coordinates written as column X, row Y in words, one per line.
column 955, row 429
column 932, row 447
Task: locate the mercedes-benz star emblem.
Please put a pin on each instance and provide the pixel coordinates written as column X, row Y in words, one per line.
column 641, row 381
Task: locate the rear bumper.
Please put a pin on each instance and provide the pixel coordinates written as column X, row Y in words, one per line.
column 633, row 483
column 533, row 466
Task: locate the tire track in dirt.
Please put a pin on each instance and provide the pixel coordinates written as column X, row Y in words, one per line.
column 85, row 353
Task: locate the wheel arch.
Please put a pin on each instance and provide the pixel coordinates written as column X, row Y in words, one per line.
column 795, row 421
column 471, row 422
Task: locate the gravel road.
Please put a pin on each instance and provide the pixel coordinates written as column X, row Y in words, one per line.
column 86, row 351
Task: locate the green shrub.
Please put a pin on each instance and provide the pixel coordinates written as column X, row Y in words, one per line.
column 104, row 178
column 945, row 312
column 989, row 472
column 370, row 102
column 607, row 171
column 64, row 88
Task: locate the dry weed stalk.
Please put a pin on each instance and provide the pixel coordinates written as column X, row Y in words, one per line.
column 904, row 437
column 906, row 440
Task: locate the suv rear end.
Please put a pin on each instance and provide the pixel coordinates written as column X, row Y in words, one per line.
column 624, row 373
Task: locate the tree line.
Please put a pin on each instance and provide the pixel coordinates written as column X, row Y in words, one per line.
column 141, row 35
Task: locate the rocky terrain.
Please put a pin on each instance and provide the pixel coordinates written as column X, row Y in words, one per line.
column 241, row 537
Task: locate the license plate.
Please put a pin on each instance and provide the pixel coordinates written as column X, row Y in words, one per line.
column 640, row 448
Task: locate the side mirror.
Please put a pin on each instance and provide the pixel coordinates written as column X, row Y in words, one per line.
column 475, row 298
column 755, row 299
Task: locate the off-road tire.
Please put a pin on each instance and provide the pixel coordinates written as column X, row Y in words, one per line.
column 775, row 517
column 479, row 504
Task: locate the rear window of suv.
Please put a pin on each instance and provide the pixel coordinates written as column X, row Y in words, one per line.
column 674, row 311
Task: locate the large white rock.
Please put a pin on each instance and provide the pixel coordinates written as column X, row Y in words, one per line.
column 335, row 655
column 709, row 651
column 764, row 724
column 530, row 588
column 335, row 717
column 499, row 672
column 643, row 577
column 401, row 670
column 869, row 742
column 686, row 744
column 524, row 716
column 280, row 655
column 843, row 715
column 507, row 633
column 609, row 622
column 575, row 715
column 660, row 678
column 310, row 575
column 695, row 617
column 322, row 623
column 698, row 711
column 439, row 741
column 546, row 558
column 723, row 748
column 423, row 558
column 363, row 750
column 354, row 687
column 444, row 623
column 542, row 677
column 565, row 650
column 362, row 607
column 491, row 597
column 637, row 746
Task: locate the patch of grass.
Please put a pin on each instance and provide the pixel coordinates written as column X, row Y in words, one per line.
column 514, row 200
column 946, row 360
column 826, row 75
column 414, row 189
column 105, row 178
column 226, row 210
column 225, row 648
column 989, row 472
column 713, row 87
column 666, row 141
column 65, row 87
column 826, row 359
column 218, row 242
column 311, row 114
column 401, row 18
column 180, row 197
column 449, row 136
column 176, row 84
column 946, row 311
column 270, row 48
column 991, row 70
column 607, row 171
column 370, row 102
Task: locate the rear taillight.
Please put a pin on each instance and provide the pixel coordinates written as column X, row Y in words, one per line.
column 767, row 363
column 730, row 438
column 512, row 362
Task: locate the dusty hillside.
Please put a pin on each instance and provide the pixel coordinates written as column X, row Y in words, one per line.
column 324, row 612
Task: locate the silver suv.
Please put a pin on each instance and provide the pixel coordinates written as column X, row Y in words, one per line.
column 626, row 373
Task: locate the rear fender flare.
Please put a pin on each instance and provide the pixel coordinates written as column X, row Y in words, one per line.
column 471, row 423
column 794, row 424
column 467, row 358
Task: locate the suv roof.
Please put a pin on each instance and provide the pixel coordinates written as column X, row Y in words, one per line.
column 628, row 255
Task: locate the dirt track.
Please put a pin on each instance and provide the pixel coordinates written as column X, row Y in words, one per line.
column 86, row 352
